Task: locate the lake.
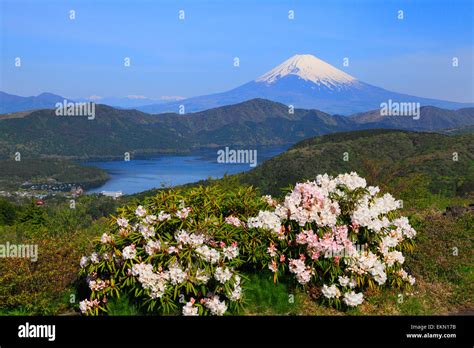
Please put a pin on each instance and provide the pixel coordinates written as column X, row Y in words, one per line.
column 171, row 170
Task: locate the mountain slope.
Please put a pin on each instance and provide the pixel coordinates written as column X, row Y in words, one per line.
column 111, row 133
column 114, row 131
column 252, row 123
column 304, row 81
column 14, row 103
column 400, row 160
column 431, row 118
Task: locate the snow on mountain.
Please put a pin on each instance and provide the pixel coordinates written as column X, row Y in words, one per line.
column 309, row 68
column 306, row 82
column 303, row 81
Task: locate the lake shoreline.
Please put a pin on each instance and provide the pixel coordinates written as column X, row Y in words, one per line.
column 143, row 173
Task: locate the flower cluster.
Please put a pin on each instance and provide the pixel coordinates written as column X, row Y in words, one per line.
column 338, row 229
column 181, row 254
column 160, row 257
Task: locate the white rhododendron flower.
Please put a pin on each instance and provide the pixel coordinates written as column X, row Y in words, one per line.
column 272, row 266
column 303, row 273
column 196, row 240
column 271, row 250
column 162, row 216
column 183, row 213
column 152, row 247
column 352, row 299
column 147, row 231
column 231, row 252
column 95, row 257
column 182, row 237
column 202, row 276
column 352, row 181
column 129, row 252
column 84, row 261
column 176, row 274
column 87, row 305
column 209, row 254
column 216, row 306
column 122, row 222
column 156, row 282
column 189, row 309
column 150, row 219
column 308, row 203
column 266, row 220
column 96, row 285
column 344, row 280
column 105, row 239
column 406, row 277
column 222, row 275
column 394, row 256
column 330, row 291
column 236, row 293
column 234, row 221
column 403, row 224
column 140, row 211
column 269, row 200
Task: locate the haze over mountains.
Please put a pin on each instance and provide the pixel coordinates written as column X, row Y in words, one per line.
column 249, row 124
column 303, row 81
column 14, row 103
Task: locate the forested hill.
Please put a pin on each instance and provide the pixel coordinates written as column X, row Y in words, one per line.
column 399, row 160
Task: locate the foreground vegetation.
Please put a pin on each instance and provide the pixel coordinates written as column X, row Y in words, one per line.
column 441, row 263
column 428, row 183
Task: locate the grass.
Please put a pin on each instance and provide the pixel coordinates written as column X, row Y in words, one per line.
column 264, row 297
column 122, row 307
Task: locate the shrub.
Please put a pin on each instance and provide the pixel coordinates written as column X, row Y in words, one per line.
column 39, row 287
column 183, row 251
column 175, row 248
column 340, row 236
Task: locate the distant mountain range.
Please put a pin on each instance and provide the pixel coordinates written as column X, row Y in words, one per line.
column 248, row 124
column 130, row 102
column 14, row 103
column 305, row 81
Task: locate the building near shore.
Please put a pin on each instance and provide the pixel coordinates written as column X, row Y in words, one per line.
column 113, row 194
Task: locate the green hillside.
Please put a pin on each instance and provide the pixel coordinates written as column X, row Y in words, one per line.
column 430, row 119
column 401, row 161
column 255, row 122
column 53, row 172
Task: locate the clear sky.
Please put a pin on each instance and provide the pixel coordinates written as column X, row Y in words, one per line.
column 194, row 56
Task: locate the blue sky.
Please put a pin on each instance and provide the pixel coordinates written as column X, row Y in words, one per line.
column 172, row 57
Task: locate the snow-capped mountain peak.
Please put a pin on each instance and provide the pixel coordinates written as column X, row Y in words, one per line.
column 308, row 68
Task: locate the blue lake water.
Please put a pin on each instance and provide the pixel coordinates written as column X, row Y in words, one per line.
column 170, row 170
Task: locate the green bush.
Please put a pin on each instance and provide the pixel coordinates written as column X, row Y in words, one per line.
column 178, row 247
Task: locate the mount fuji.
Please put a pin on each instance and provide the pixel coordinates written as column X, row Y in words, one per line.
column 304, row 81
